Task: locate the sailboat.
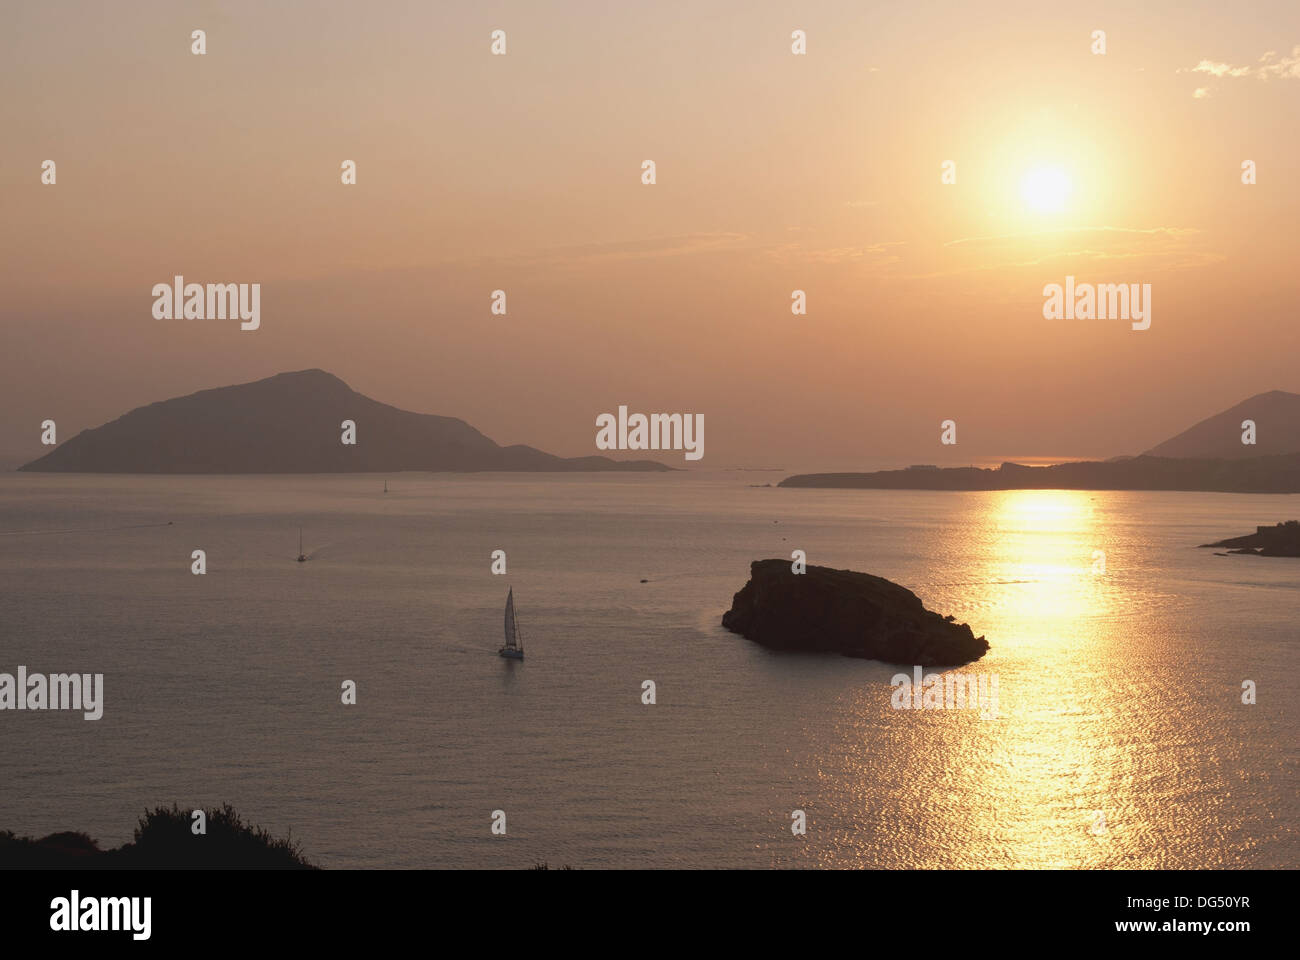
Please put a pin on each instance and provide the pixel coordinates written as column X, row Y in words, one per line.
column 385, row 486
column 302, row 557
column 513, row 650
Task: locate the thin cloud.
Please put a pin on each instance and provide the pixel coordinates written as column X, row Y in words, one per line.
column 876, row 254
column 648, row 248
column 1072, row 231
column 1158, row 260
column 1269, row 66
column 1164, row 248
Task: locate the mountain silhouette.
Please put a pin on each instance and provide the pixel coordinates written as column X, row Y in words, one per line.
column 291, row 423
column 1209, row 457
column 1277, row 430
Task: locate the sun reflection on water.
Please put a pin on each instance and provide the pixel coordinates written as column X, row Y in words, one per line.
column 1050, row 760
column 1050, row 548
column 1047, row 782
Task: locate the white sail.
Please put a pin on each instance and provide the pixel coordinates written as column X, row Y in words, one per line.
column 510, row 619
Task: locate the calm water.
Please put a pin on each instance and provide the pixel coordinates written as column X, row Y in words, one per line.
column 1118, row 693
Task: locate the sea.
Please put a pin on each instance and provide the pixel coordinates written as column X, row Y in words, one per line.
column 1123, row 655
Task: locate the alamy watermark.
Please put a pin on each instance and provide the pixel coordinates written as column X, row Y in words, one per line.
column 179, row 300
column 76, row 913
column 1102, row 301
column 658, row 431
column 58, row 691
column 946, row 691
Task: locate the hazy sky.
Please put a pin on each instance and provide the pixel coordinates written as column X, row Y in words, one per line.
column 775, row 172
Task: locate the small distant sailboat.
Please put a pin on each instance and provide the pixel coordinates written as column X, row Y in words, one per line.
column 302, row 557
column 385, row 486
column 514, row 649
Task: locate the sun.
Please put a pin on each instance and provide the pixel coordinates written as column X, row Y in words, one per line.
column 1046, row 189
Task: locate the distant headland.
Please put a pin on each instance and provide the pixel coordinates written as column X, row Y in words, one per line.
column 1280, row 540
column 295, row 423
column 1277, row 474
column 1253, row 447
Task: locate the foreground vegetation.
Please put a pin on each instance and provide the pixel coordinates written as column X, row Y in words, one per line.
column 163, row 838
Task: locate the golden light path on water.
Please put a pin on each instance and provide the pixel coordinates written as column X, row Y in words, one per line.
column 1045, row 549
column 1064, row 775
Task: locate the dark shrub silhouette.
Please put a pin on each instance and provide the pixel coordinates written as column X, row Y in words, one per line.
column 66, row 849
column 163, row 839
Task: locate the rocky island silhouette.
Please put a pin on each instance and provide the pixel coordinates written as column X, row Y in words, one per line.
column 823, row 610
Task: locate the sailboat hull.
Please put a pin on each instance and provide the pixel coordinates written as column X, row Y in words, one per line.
column 511, row 654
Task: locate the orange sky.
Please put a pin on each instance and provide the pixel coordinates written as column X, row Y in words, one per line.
column 775, row 172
